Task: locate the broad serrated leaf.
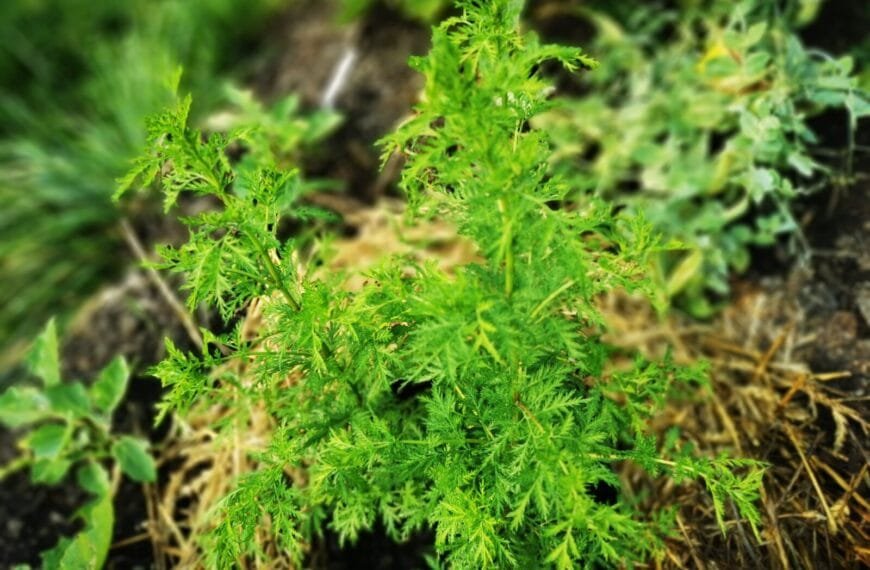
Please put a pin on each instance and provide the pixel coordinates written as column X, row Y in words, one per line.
column 93, row 478
column 21, row 405
column 106, row 392
column 135, row 461
column 88, row 549
column 47, row 442
column 43, row 356
column 49, row 471
column 69, row 398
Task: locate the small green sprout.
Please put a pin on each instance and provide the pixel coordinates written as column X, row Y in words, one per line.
column 67, row 426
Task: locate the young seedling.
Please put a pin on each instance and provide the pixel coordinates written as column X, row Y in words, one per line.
column 68, row 427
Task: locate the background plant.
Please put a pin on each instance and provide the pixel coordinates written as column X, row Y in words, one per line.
column 700, row 119
column 478, row 403
column 276, row 135
column 68, row 427
column 76, row 90
column 425, row 10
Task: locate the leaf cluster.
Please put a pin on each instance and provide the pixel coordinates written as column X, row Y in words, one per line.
column 234, row 254
column 68, row 425
column 475, row 402
column 700, row 119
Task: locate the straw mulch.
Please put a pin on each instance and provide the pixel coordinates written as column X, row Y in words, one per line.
column 765, row 402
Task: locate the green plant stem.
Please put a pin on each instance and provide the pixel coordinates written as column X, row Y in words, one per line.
column 273, row 271
column 211, row 179
column 551, row 297
column 507, row 249
column 15, row 465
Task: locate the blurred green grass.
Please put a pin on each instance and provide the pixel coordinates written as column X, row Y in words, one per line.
column 78, row 79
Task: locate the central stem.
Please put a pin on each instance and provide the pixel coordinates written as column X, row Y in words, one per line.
column 506, row 247
column 273, row 271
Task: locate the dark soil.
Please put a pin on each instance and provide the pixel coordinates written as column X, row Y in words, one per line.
column 32, row 518
column 378, row 92
column 836, row 294
column 372, row 551
column 840, row 26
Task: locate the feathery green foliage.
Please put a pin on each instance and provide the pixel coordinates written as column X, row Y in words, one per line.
column 69, row 425
column 699, row 118
column 476, row 402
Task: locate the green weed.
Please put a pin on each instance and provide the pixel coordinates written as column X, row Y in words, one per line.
column 699, row 118
column 478, row 403
column 68, row 426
